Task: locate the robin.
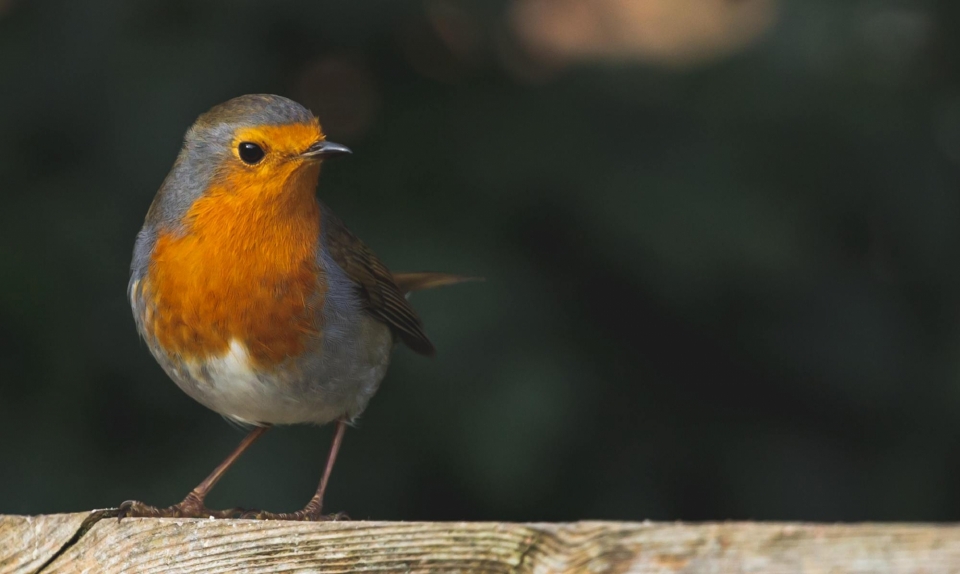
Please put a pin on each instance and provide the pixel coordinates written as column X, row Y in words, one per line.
column 254, row 297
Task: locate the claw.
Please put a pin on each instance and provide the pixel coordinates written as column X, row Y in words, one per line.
column 189, row 508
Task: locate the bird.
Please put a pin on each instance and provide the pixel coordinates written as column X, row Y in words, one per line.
column 255, row 298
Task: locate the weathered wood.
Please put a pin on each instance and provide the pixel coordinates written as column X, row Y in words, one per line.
column 28, row 542
column 186, row 546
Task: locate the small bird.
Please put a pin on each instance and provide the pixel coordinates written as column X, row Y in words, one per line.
column 254, row 297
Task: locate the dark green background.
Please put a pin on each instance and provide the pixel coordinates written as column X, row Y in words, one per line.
column 724, row 292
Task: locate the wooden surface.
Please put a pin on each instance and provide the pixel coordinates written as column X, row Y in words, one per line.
column 98, row 543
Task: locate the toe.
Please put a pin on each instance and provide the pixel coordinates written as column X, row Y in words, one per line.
column 301, row 516
column 137, row 509
column 189, row 508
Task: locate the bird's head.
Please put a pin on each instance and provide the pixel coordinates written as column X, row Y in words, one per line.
column 255, row 147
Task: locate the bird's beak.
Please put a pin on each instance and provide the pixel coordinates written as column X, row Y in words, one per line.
column 325, row 149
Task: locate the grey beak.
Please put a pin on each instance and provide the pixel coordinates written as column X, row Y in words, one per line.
column 326, row 149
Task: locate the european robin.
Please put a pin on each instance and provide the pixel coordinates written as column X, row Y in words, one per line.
column 254, row 297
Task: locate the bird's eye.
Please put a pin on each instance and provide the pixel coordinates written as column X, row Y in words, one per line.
column 250, row 152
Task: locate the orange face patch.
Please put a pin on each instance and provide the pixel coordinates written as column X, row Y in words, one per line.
column 244, row 269
column 285, row 140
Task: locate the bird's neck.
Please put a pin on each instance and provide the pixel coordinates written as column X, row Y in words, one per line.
column 274, row 226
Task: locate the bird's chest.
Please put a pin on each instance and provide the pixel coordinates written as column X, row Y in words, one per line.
column 248, row 282
column 296, row 349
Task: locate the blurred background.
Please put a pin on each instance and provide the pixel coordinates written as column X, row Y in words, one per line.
column 721, row 241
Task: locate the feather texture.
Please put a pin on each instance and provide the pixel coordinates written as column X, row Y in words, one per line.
column 379, row 293
column 409, row 282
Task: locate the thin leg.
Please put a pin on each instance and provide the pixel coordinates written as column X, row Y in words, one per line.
column 192, row 506
column 204, row 488
column 313, row 509
column 316, row 503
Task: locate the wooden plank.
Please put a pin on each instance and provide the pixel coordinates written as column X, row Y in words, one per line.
column 210, row 546
column 28, row 542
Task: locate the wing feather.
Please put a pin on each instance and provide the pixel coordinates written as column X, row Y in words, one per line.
column 378, row 291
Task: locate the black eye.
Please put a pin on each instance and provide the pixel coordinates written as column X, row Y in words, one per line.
column 250, row 152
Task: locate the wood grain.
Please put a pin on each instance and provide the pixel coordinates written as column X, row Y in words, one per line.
column 208, row 546
column 28, row 542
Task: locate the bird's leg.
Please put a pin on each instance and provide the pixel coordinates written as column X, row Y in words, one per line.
column 313, row 510
column 192, row 506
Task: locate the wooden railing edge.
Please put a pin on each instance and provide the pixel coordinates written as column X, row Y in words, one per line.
column 97, row 542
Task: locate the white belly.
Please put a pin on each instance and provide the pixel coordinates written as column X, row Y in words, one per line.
column 334, row 381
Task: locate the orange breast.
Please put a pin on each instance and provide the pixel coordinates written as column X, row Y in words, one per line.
column 245, row 268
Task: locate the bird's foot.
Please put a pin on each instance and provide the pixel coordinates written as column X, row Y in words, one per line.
column 191, row 507
column 305, row 515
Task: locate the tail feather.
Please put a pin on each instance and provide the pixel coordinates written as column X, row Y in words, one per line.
column 417, row 281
